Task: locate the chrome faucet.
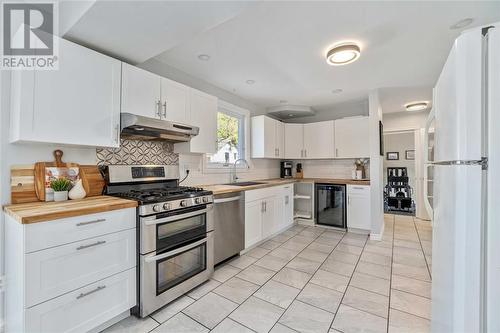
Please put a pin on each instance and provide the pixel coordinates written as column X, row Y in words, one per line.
column 234, row 177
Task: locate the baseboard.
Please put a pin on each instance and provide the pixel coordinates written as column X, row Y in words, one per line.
column 111, row 322
column 379, row 236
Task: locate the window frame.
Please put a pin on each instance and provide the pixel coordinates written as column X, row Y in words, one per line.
column 234, row 111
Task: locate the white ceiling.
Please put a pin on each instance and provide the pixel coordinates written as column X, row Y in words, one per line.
column 281, row 45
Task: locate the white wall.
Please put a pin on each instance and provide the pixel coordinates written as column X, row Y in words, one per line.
column 400, row 142
column 376, row 167
column 403, row 121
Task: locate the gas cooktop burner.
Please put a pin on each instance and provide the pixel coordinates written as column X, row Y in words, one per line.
column 163, row 194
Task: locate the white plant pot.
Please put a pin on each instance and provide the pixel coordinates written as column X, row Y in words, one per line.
column 60, row 195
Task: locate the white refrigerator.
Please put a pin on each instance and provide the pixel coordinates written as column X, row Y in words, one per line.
column 466, row 186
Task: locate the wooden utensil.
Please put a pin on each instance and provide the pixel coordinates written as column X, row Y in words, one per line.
column 40, row 172
column 92, row 180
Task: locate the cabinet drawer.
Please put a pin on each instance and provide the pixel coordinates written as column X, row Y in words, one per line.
column 85, row 308
column 52, row 272
column 363, row 190
column 63, row 231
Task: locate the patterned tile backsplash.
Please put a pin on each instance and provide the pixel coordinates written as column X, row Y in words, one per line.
column 138, row 152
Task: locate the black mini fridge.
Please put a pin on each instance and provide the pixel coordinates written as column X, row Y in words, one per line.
column 330, row 204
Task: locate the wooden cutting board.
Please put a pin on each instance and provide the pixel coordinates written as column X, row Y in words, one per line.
column 40, row 172
column 22, row 184
column 92, row 180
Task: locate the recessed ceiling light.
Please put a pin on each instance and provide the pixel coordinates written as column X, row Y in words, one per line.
column 250, row 81
column 343, row 54
column 462, row 23
column 336, row 91
column 204, row 57
column 290, row 115
column 416, row 106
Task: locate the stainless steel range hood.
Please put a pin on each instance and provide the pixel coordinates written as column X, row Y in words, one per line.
column 144, row 128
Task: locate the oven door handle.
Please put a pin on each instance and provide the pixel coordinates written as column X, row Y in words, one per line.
column 176, row 251
column 223, row 200
column 152, row 220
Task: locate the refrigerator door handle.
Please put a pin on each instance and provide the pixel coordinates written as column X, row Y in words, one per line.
column 482, row 162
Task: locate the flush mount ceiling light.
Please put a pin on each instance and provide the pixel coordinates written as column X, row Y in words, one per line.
column 250, row 81
column 336, row 91
column 462, row 23
column 343, row 54
column 204, row 57
column 416, row 106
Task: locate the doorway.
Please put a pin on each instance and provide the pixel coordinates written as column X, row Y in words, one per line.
column 400, row 180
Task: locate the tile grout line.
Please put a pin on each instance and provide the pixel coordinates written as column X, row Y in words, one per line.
column 422, row 249
column 312, row 275
column 348, row 283
column 238, row 305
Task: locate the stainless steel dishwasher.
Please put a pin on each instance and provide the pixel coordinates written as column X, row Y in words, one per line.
column 229, row 225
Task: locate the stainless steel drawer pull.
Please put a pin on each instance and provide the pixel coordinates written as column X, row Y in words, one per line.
column 82, row 295
column 90, row 245
column 358, row 188
column 90, row 222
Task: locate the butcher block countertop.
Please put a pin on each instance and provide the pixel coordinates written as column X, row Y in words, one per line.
column 224, row 188
column 45, row 211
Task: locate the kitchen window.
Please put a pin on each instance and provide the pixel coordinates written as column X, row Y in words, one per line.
column 231, row 136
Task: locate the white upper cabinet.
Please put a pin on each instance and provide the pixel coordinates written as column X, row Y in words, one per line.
column 78, row 104
column 267, row 137
column 352, row 138
column 294, row 141
column 203, row 114
column 174, row 101
column 319, row 140
column 280, row 139
column 150, row 95
column 141, row 94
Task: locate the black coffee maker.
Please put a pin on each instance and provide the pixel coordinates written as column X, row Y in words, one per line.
column 286, row 169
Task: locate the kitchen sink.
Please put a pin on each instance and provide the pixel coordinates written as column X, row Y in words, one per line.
column 244, row 183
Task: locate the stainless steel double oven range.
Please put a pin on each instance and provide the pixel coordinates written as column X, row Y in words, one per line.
column 175, row 242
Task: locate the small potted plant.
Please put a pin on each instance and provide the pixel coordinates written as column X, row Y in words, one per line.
column 61, row 187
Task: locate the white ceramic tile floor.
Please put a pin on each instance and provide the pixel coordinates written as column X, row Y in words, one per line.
column 311, row 279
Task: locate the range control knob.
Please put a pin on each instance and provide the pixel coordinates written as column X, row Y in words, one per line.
column 166, row 206
column 156, row 208
column 205, row 199
column 197, row 201
column 184, row 203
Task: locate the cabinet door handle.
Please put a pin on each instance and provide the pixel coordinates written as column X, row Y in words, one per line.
column 262, row 207
column 336, row 152
column 90, row 245
column 265, row 206
column 158, row 108
column 82, row 295
column 90, row 222
column 287, row 199
column 165, row 109
column 117, row 133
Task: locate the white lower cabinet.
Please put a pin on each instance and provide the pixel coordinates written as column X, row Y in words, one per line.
column 72, row 284
column 358, row 207
column 253, row 222
column 58, row 270
column 267, row 211
column 86, row 308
